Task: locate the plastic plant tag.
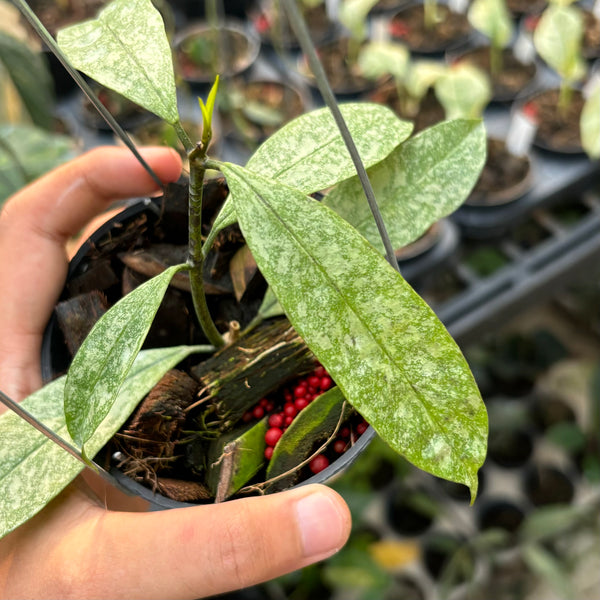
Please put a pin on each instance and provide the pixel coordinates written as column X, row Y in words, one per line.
column 521, row 133
column 523, row 48
column 458, row 6
column 380, row 31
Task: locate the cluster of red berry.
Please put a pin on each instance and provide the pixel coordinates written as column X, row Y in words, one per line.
column 295, row 399
column 398, row 28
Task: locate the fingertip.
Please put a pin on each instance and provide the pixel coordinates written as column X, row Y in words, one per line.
column 166, row 160
column 323, row 520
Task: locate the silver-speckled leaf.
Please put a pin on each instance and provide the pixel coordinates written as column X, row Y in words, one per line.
column 387, row 351
column 126, row 49
column 106, row 355
column 423, row 180
column 309, row 154
column 33, row 469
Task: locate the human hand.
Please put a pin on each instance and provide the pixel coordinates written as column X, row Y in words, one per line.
column 77, row 547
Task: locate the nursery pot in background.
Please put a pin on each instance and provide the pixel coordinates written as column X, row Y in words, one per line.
column 116, row 258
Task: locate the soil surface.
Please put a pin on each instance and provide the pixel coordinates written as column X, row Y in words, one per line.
column 504, row 177
column 342, row 73
column 55, row 15
column 203, row 53
column 510, row 80
column 408, row 26
column 428, row 112
column 558, row 128
column 526, row 7
column 591, row 35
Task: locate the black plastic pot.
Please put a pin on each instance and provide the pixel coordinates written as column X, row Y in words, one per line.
column 55, row 356
column 229, row 35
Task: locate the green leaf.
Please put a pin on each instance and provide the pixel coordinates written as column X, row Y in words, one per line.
column 106, row 355
column 423, row 180
column 309, row 154
column 377, row 59
column 33, row 469
column 464, row 91
column 27, row 152
column 549, row 569
column 558, row 39
column 270, row 306
column 389, row 354
column 31, row 78
column 589, row 124
column 313, row 425
column 126, row 49
column 493, row 19
column 235, row 458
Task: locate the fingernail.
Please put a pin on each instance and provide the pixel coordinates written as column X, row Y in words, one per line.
column 322, row 524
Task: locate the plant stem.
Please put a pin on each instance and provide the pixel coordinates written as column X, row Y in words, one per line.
column 195, row 256
column 301, row 31
column 184, row 138
column 85, row 88
column 495, row 59
column 564, row 97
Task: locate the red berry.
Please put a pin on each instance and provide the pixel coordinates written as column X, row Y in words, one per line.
column 288, row 420
column 326, row 382
column 247, row 416
column 268, row 452
column 320, row 372
column 318, row 463
column 276, row 420
column 287, row 396
column 290, row 410
column 361, row 427
column 345, row 432
column 300, row 390
column 263, row 402
column 301, row 403
column 258, row 412
column 272, row 436
column 314, row 381
column 270, row 406
column 339, row 446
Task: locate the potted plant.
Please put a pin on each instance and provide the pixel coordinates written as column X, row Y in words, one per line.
column 409, row 92
column 558, row 40
column 387, row 353
column 429, row 27
column 508, row 74
column 466, row 90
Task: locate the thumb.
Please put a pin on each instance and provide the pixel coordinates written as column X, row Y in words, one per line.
column 211, row 549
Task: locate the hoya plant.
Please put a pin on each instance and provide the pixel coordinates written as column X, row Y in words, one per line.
column 493, row 19
column 390, row 358
column 412, row 78
column 558, row 40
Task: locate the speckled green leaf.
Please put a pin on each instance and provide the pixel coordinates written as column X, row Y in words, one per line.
column 106, row 355
column 313, row 425
column 237, row 457
column 423, row 180
column 126, row 49
column 33, row 469
column 389, row 354
column 309, row 154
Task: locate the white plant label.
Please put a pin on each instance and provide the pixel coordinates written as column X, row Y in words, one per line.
column 596, row 9
column 380, row 30
column 521, row 131
column 458, row 6
column 523, row 48
column 332, row 8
